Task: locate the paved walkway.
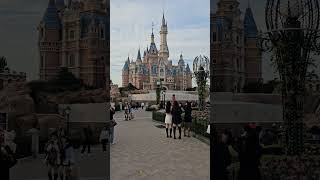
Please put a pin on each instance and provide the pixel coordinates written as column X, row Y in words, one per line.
column 143, row 152
column 35, row 169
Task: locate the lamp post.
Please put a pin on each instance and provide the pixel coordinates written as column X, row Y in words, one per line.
column 201, row 73
column 292, row 34
column 67, row 111
column 158, row 92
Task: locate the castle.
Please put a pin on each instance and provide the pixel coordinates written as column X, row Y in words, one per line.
column 75, row 35
column 145, row 72
column 234, row 48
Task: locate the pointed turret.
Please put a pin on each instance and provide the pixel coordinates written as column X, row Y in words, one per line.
column 51, row 16
column 163, row 20
column 153, row 47
column 164, row 50
column 139, row 55
column 181, row 61
column 250, row 27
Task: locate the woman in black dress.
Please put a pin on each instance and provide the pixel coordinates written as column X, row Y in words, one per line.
column 176, row 118
column 187, row 118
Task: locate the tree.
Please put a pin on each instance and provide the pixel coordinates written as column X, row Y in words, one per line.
column 3, row 63
column 66, row 78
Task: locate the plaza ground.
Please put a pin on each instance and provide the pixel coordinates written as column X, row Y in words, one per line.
column 142, row 152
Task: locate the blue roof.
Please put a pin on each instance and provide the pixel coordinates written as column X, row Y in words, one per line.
column 126, row 66
column 139, row 55
column 153, row 48
column 51, row 17
column 250, row 27
column 86, row 19
column 188, row 69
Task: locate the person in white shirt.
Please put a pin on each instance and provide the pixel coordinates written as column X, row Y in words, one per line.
column 52, row 158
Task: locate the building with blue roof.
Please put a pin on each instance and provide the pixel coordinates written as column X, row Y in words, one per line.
column 73, row 34
column 234, row 48
column 155, row 66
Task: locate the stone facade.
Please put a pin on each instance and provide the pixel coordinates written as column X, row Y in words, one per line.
column 234, row 48
column 75, row 36
column 155, row 66
column 8, row 77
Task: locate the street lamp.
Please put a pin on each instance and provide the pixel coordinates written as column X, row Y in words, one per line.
column 201, row 73
column 158, row 91
column 292, row 34
column 67, row 111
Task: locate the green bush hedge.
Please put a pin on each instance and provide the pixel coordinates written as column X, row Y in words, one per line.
column 158, row 116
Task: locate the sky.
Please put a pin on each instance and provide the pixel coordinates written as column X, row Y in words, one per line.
column 131, row 27
column 131, row 24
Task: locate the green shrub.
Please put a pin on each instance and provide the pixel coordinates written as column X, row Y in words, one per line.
column 158, row 116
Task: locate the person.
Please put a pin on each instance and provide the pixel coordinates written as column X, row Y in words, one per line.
column 142, row 105
column 249, row 155
column 68, row 160
column 87, row 139
column 52, row 158
column 104, row 138
column 7, row 158
column 126, row 112
column 111, row 126
column 221, row 157
column 168, row 119
column 130, row 112
column 176, row 118
column 187, row 118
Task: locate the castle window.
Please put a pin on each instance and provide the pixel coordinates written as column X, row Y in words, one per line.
column 71, row 60
column 102, row 33
column 42, row 61
column 41, row 33
column 214, row 37
column 161, row 72
column 71, row 35
column 237, row 39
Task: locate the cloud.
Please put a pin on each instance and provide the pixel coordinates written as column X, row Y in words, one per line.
column 131, row 24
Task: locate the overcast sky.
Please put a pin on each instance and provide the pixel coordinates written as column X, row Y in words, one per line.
column 188, row 26
column 131, row 26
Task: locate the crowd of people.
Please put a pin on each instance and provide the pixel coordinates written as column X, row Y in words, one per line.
column 246, row 149
column 173, row 118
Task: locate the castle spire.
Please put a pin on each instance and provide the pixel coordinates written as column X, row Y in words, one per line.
column 139, row 55
column 51, row 17
column 152, row 35
column 163, row 20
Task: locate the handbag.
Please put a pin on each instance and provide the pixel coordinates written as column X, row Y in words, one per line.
column 208, row 129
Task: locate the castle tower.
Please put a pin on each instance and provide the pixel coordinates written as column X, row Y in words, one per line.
column 125, row 73
column 164, row 50
column 49, row 43
column 252, row 52
column 227, row 31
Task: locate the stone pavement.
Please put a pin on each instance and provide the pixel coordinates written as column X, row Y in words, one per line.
column 35, row 169
column 143, row 152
